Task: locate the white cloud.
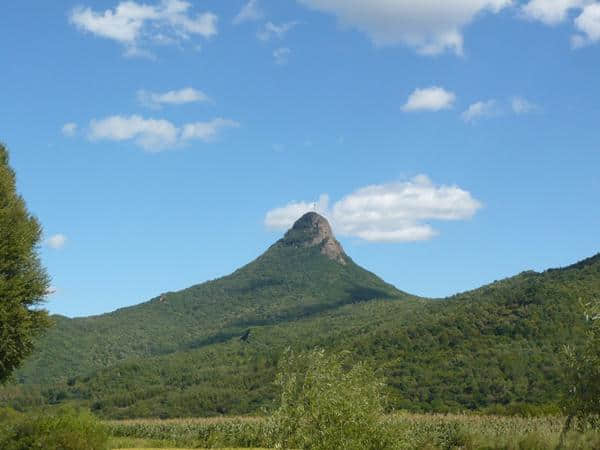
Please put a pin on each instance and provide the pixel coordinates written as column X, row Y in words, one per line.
column 206, row 131
column 182, row 96
column 520, row 106
column 586, row 17
column 394, row 212
column 281, row 55
column 133, row 24
column 588, row 23
column 551, row 12
column 270, row 30
column 480, row 110
column 150, row 134
column 154, row 134
column 69, row 129
column 430, row 99
column 56, row 241
column 284, row 217
column 429, row 26
column 250, row 12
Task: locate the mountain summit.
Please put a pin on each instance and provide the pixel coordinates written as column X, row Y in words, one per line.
column 312, row 230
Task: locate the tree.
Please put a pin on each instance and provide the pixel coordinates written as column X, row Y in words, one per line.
column 581, row 401
column 23, row 280
column 324, row 406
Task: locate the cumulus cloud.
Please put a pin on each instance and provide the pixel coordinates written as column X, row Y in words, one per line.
column 429, row 26
column 150, row 134
column 271, row 30
column 155, row 134
column 69, row 129
column 585, row 14
column 156, row 100
column 480, row 110
column 132, row 23
column 551, row 12
column 56, row 241
column 250, row 12
column 588, row 24
column 281, row 55
column 430, row 99
column 393, row 212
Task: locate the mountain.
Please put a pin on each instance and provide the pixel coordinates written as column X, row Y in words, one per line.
column 213, row 348
column 303, row 274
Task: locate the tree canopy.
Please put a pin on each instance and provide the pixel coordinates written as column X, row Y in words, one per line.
column 23, row 280
column 325, row 406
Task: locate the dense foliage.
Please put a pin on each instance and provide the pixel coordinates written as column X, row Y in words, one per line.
column 283, row 285
column 23, row 281
column 582, row 374
column 62, row 430
column 325, row 406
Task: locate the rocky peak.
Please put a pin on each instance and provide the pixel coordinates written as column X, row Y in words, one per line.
column 313, row 230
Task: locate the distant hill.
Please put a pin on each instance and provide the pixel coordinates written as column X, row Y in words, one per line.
column 213, row 348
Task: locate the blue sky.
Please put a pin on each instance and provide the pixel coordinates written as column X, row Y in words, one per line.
column 165, row 143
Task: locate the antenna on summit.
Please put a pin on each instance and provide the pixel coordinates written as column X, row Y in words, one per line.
column 314, row 206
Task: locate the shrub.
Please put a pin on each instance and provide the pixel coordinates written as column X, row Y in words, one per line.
column 324, row 406
column 64, row 430
column 582, row 372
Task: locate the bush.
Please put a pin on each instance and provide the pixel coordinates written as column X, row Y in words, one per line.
column 324, row 406
column 582, row 372
column 64, row 430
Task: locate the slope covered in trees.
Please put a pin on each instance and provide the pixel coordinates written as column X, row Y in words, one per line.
column 213, row 348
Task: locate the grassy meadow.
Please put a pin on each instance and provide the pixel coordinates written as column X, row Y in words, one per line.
column 411, row 431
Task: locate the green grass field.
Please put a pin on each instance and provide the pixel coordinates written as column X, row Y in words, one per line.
column 414, row 431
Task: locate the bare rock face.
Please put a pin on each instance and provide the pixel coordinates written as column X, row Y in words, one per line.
column 313, row 230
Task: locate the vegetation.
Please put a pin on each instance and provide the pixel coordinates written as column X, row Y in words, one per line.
column 283, row 285
column 325, row 406
column 23, row 281
column 581, row 402
column 62, row 430
column 496, row 349
column 411, row 431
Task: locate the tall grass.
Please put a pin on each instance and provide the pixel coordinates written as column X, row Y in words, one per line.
column 244, row 432
column 65, row 429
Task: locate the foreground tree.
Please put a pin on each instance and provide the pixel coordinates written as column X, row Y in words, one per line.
column 23, row 281
column 324, row 406
column 581, row 401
